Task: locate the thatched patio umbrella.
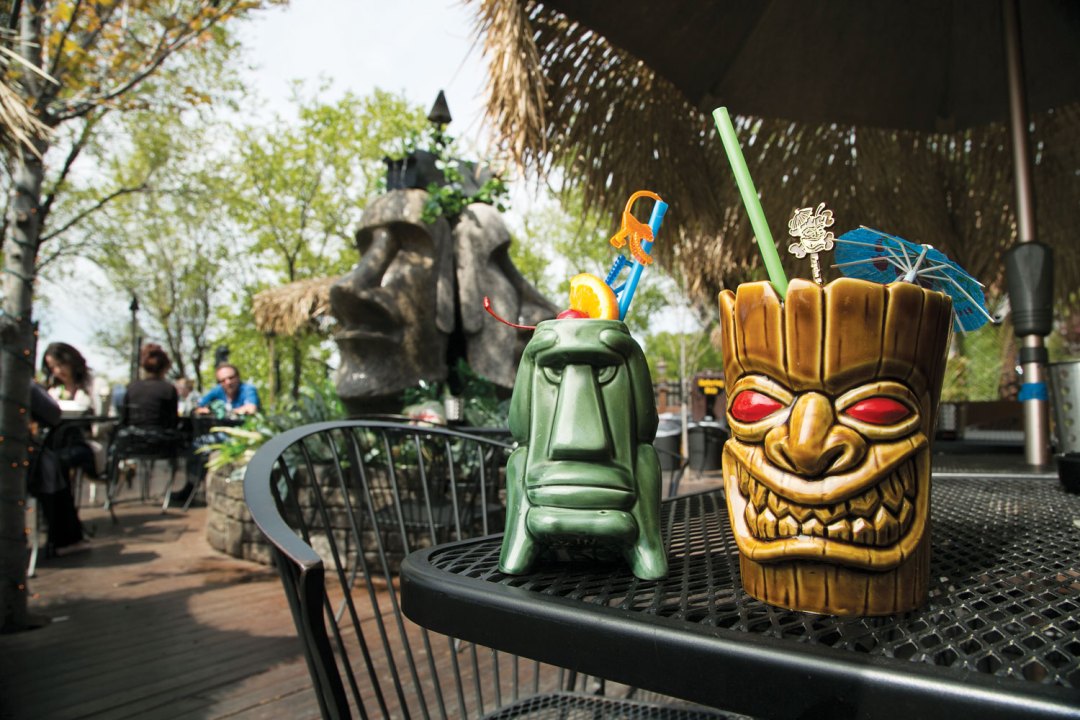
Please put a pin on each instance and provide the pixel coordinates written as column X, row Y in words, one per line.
column 562, row 96
column 615, row 93
column 17, row 125
column 290, row 309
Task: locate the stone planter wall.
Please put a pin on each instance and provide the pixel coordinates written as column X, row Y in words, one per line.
column 229, row 527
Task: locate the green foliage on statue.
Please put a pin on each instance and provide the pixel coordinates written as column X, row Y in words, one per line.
column 452, row 184
column 481, row 403
column 585, row 481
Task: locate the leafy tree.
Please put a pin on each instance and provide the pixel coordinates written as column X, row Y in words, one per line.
column 297, row 191
column 701, row 354
column 169, row 245
column 82, row 61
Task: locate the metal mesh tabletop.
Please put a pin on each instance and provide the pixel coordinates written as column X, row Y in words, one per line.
column 948, row 466
column 1000, row 633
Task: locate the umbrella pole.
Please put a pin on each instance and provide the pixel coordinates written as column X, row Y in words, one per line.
column 1033, row 356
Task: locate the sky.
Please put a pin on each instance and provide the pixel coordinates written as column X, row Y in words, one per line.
column 415, row 47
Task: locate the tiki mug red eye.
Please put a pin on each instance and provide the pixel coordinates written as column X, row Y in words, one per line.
column 831, row 399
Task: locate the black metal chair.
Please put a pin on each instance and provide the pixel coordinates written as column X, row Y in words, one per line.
column 341, row 504
column 145, row 445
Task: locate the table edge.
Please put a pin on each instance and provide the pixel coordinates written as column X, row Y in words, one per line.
column 490, row 614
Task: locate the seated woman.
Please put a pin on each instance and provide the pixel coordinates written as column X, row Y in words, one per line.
column 72, row 384
column 152, row 400
column 71, row 392
column 148, row 413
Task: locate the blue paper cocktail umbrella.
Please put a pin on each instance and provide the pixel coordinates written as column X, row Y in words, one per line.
column 879, row 257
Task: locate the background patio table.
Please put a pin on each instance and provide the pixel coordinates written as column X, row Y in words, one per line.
column 999, row 637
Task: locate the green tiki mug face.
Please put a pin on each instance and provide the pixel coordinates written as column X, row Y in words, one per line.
column 586, row 480
column 832, row 396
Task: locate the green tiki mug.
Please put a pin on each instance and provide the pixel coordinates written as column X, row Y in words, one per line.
column 585, row 481
column 832, row 398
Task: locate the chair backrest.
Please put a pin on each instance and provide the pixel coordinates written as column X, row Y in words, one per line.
column 147, row 441
column 342, row 503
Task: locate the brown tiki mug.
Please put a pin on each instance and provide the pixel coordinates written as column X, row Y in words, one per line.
column 832, row 396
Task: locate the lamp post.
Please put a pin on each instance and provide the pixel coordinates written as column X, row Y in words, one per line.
column 135, row 339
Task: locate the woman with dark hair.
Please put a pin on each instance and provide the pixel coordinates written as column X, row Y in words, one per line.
column 69, row 380
column 151, row 401
column 71, row 384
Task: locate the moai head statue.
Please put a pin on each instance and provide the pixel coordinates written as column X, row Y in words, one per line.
column 832, row 398
column 396, row 307
column 399, row 308
column 585, row 481
column 484, row 268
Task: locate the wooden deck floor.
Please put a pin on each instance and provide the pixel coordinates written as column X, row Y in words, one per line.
column 152, row 622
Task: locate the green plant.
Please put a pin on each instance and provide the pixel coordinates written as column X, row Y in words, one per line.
column 449, row 198
column 317, row 403
column 481, row 404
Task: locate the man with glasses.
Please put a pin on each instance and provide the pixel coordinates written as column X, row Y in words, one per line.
column 230, row 398
column 233, row 395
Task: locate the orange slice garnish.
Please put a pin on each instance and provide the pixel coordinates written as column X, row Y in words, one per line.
column 592, row 296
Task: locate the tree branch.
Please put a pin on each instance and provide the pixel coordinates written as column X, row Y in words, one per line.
column 55, row 64
column 164, row 50
column 92, row 209
column 76, row 149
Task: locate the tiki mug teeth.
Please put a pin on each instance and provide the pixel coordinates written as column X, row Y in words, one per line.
column 832, row 398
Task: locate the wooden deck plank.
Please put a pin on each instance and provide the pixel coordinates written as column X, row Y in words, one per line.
column 152, row 684
column 154, row 623
column 143, row 637
column 261, row 690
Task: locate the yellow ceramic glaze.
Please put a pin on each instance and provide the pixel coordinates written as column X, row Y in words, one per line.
column 830, row 506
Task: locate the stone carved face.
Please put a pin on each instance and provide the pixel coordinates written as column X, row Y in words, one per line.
column 396, row 308
column 832, row 397
column 586, row 474
column 482, row 260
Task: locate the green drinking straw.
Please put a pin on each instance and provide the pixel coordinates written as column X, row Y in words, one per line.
column 750, row 201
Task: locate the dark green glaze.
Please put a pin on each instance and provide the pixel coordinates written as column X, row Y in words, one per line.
column 586, row 480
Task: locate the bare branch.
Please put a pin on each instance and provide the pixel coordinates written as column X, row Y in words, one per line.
column 76, row 149
column 93, row 208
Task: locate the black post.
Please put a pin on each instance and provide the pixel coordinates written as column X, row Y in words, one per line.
column 134, row 307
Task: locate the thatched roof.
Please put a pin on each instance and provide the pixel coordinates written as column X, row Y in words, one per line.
column 18, row 126
column 292, row 308
column 561, row 97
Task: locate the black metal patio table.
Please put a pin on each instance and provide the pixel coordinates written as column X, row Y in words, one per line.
column 999, row 638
